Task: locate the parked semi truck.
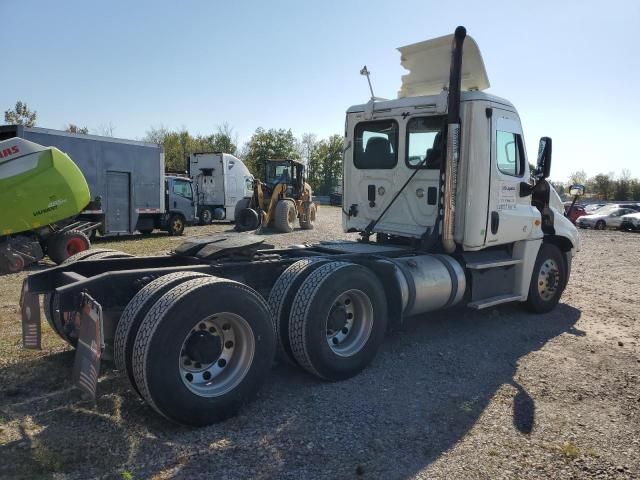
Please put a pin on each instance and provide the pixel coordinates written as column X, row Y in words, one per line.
column 436, row 182
column 126, row 179
column 41, row 192
column 220, row 182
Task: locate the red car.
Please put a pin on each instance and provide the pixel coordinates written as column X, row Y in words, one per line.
column 576, row 212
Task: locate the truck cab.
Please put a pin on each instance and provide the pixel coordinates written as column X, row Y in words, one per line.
column 399, row 147
column 180, row 206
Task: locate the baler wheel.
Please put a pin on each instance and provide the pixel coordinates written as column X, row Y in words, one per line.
column 66, row 244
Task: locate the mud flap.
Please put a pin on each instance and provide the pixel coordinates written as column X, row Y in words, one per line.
column 30, row 310
column 86, row 367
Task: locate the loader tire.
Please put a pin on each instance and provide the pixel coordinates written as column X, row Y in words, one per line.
column 285, row 216
column 241, row 205
column 51, row 301
column 338, row 320
column 247, row 220
column 66, row 244
column 548, row 279
column 203, row 350
column 280, row 299
column 308, row 217
column 135, row 312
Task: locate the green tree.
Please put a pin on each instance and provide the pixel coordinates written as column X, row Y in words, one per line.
column 307, row 147
column 268, row 144
column 73, row 128
column 622, row 190
column 602, row 186
column 21, row 115
column 327, row 165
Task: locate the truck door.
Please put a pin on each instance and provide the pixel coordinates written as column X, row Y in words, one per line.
column 181, row 198
column 511, row 217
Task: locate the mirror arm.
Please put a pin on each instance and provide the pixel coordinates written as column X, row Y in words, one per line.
column 525, row 189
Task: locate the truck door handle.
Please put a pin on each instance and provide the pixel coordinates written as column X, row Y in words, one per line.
column 371, row 195
column 175, row 204
column 495, row 222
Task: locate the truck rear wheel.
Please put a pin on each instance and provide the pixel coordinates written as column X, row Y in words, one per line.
column 548, row 280
column 135, row 312
column 65, row 244
column 285, row 216
column 51, row 301
column 308, row 217
column 203, row 350
column 281, row 298
column 206, row 217
column 338, row 320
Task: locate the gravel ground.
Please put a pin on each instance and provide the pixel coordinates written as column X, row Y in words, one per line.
column 456, row 394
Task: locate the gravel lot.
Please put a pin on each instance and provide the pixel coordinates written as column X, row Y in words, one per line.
column 457, row 394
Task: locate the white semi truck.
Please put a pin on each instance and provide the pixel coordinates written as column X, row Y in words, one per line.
column 437, row 184
column 220, row 181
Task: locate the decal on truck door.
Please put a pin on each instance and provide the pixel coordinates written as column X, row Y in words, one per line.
column 506, row 196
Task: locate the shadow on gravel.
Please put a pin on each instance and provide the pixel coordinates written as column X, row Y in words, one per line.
column 425, row 390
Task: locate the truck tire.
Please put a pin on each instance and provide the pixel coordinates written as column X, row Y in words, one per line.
column 248, row 219
column 206, row 216
column 285, row 216
column 51, row 301
column 338, row 320
column 134, row 313
column 241, row 205
column 203, row 350
column 547, row 280
column 308, row 217
column 65, row 244
column 176, row 225
column 280, row 299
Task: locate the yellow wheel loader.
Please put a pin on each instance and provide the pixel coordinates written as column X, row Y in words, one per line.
column 282, row 198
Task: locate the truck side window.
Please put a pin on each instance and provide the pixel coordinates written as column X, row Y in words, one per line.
column 183, row 189
column 509, row 153
column 425, row 142
column 376, row 145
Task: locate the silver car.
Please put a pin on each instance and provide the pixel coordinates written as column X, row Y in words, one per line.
column 630, row 221
column 605, row 217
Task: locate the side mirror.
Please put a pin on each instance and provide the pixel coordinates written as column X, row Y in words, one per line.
column 576, row 190
column 544, row 158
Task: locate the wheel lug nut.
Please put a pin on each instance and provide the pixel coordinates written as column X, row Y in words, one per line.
column 222, row 362
column 202, row 326
column 189, row 377
column 347, row 302
column 212, row 329
column 206, row 375
column 345, row 330
column 228, row 344
column 335, row 341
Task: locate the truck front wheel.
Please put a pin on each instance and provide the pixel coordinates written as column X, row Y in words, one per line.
column 176, row 225
column 547, row 280
column 203, row 350
column 206, row 217
column 338, row 320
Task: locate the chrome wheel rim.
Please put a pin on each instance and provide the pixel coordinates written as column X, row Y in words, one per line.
column 349, row 323
column 216, row 354
column 548, row 279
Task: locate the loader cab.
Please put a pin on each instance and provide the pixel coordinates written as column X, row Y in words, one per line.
column 397, row 148
column 288, row 172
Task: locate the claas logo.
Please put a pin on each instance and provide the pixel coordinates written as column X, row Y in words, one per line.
column 9, row 151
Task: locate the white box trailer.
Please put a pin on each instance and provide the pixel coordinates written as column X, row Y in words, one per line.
column 220, row 181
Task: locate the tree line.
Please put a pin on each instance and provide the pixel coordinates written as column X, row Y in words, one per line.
column 604, row 186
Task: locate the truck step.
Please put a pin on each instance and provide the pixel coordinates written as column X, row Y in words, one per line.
column 492, row 301
column 493, row 263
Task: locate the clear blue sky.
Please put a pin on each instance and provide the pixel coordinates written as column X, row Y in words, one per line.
column 569, row 67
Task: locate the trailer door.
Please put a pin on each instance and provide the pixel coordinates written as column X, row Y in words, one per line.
column 118, row 203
